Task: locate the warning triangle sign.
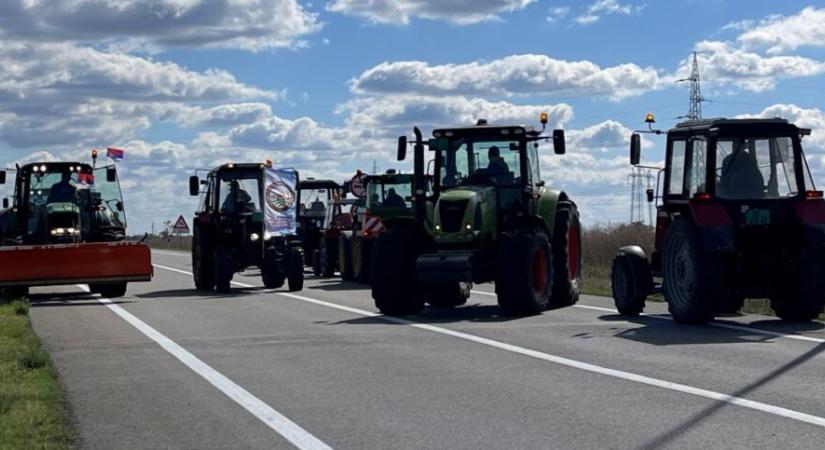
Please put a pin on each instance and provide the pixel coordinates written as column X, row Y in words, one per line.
column 180, row 226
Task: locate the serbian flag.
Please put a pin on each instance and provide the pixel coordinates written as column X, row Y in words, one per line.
column 86, row 179
column 115, row 154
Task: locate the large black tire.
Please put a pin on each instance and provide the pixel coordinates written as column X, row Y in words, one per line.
column 691, row 287
column 448, row 294
column 202, row 263
column 116, row 290
column 327, row 258
column 631, row 282
column 803, row 299
column 295, row 269
column 567, row 257
column 345, row 257
column 524, row 275
column 394, row 288
column 223, row 271
column 361, row 257
column 272, row 274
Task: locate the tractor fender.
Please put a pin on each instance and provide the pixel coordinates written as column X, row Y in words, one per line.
column 548, row 203
column 633, row 252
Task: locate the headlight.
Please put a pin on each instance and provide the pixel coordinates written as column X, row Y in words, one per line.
column 254, row 237
column 468, row 227
column 437, row 227
column 267, row 236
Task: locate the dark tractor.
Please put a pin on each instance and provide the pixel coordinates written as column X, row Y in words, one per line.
column 315, row 196
column 388, row 196
column 739, row 218
column 483, row 215
column 230, row 233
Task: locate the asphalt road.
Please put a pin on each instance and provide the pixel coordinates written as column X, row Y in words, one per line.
column 169, row 367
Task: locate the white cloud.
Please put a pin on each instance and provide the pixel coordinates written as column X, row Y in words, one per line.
column 462, row 12
column 512, row 75
column 244, row 24
column 781, row 34
column 812, row 118
column 601, row 137
column 723, row 63
column 601, row 8
column 557, row 13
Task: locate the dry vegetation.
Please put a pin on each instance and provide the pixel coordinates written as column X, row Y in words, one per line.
column 599, row 244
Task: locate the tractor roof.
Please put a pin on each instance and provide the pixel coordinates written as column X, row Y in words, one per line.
column 54, row 164
column 238, row 166
column 704, row 126
column 483, row 130
column 318, row 184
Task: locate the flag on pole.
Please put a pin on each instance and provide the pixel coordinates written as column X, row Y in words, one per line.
column 115, row 154
column 85, row 179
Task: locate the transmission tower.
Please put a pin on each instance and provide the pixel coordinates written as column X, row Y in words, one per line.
column 696, row 99
column 640, row 181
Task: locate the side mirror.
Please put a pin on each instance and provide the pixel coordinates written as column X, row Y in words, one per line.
column 635, row 149
column 5, row 203
column 194, row 185
column 119, row 206
column 559, row 145
column 650, row 196
column 111, row 175
column 2, row 177
column 402, row 148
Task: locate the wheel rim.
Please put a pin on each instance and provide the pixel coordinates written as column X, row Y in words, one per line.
column 573, row 251
column 540, row 271
column 680, row 272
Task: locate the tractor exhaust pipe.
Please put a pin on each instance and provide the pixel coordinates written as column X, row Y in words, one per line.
column 419, row 180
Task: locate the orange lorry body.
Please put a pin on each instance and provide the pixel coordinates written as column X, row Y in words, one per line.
column 58, row 264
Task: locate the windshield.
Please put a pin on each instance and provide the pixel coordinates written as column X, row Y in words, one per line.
column 239, row 192
column 756, row 168
column 314, row 202
column 480, row 162
column 110, row 212
column 389, row 194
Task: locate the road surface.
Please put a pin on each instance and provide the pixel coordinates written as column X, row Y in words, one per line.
column 170, row 367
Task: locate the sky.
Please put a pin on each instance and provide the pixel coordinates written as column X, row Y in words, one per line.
column 327, row 86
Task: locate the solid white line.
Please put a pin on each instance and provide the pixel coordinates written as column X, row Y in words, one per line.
column 699, row 392
column 172, row 253
column 265, row 413
column 717, row 324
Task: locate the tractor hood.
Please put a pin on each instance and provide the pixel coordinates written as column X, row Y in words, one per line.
column 459, row 213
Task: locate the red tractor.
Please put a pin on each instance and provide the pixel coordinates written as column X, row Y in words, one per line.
column 739, row 217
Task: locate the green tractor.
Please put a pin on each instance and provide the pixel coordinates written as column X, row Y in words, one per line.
column 483, row 215
column 387, row 197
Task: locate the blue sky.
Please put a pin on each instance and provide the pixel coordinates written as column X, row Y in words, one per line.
column 326, row 86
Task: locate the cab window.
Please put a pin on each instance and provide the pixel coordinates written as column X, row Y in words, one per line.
column 677, row 168
column 697, row 172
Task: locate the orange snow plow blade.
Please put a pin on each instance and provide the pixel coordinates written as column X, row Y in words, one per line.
column 47, row 265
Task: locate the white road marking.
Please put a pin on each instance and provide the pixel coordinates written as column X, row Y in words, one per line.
column 717, row 324
column 650, row 381
column 291, row 431
column 172, row 253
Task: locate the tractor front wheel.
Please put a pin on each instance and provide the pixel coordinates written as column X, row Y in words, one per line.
column 524, row 278
column 326, row 258
column 223, row 271
column 361, row 256
column 272, row 274
column 202, row 264
column 630, row 281
column 449, row 294
column 295, row 269
column 393, row 267
column 116, row 290
column 345, row 257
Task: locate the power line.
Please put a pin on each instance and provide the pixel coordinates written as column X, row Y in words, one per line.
column 696, row 98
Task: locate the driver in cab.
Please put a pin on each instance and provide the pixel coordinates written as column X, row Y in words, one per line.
column 237, row 201
column 62, row 191
column 496, row 164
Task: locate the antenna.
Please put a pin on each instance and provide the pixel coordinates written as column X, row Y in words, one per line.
column 696, row 98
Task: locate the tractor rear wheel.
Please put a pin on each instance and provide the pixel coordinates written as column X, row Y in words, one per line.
column 116, row 290
column 803, row 300
column 525, row 272
column 690, row 286
column 567, row 257
column 295, row 269
column 448, row 294
column 326, row 258
column 630, row 281
column 223, row 271
column 394, row 287
column 345, row 257
column 202, row 264
column 361, row 256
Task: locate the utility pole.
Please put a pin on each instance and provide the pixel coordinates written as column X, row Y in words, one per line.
column 696, row 99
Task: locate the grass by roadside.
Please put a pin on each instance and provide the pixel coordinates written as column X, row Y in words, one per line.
column 31, row 401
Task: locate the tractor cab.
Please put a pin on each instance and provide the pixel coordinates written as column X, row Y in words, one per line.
column 739, row 217
column 389, row 195
column 64, row 202
column 315, row 198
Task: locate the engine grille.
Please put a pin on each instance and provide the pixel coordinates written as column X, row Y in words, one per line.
column 451, row 214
